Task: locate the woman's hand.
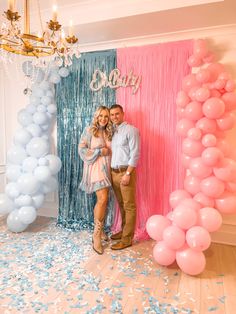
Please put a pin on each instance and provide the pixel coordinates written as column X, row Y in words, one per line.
column 105, row 151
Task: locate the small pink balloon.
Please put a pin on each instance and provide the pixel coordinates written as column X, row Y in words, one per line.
column 182, row 99
column 209, row 218
column 184, row 216
column 204, row 200
column 185, row 160
column 225, row 76
column 223, row 146
column 215, row 93
column 226, row 170
column 230, row 186
column 194, row 61
column 189, row 81
column 163, row 255
column 209, row 58
column 230, row 86
column 191, row 203
column 212, row 187
column 203, row 76
column 180, row 113
column 202, row 94
column 226, row 203
column 193, row 111
column 219, row 84
column 199, row 169
column 192, row 148
column 194, row 134
column 229, row 100
column 226, row 122
column 192, row 92
column 198, row 238
column 209, row 140
column 215, row 69
column 213, row 108
column 177, row 196
column 155, row 226
column 200, row 48
column 192, row 184
column 174, row 237
column 211, row 156
column 190, row 261
column 183, row 126
column 206, row 125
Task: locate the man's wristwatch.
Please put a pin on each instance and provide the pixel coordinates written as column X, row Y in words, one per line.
column 127, row 173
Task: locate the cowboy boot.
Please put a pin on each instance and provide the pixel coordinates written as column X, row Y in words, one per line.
column 97, row 244
column 104, row 236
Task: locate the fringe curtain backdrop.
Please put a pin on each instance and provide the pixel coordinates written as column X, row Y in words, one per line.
column 76, row 104
column 153, row 111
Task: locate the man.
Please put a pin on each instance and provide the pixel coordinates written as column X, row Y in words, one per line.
column 125, row 154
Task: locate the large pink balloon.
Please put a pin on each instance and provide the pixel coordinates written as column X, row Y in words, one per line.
column 223, row 146
column 193, row 111
column 177, row 196
column 163, row 255
column 199, row 169
column 206, row 125
column 230, row 186
column 212, row 187
column 226, row 203
column 198, row 238
column 226, row 170
column 194, row 134
column 190, row 261
column 192, row 92
column 219, row 84
column 209, row 218
column 184, row 216
column 211, row 156
column 213, row 108
column 189, row 81
column 204, row 200
column 155, row 226
column 209, row 140
column 230, row 86
column 174, row 237
column 182, row 99
column 180, row 113
column 192, row 148
column 192, row 184
column 202, row 94
column 185, row 160
column 203, row 76
column 215, row 70
column 229, row 100
column 191, row 203
column 183, row 126
column 226, row 122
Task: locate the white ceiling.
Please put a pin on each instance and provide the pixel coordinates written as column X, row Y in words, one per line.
column 99, row 21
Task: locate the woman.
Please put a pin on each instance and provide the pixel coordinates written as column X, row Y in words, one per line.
column 94, row 149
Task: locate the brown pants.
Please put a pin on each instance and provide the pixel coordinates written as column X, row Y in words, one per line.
column 125, row 195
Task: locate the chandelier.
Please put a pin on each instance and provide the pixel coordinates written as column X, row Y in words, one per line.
column 52, row 44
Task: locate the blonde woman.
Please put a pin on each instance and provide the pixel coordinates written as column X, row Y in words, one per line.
column 95, row 151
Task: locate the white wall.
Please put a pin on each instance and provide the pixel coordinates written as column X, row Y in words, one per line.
column 222, row 40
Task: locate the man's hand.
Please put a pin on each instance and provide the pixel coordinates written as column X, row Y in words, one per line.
column 125, row 180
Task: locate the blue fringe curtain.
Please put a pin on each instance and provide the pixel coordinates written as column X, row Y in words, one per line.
column 76, row 104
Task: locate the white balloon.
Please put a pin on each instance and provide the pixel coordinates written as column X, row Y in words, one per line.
column 24, row 117
column 12, row 190
column 23, row 200
column 54, row 163
column 39, row 92
column 31, row 108
column 38, row 200
column 28, row 184
column 16, row 155
column 13, row 172
column 41, row 108
column 29, row 164
column 6, row 204
column 34, row 129
column 37, row 147
column 43, row 161
column 38, row 75
column 63, row 72
column 45, row 127
column 22, row 137
column 27, row 214
column 55, row 78
column 50, row 93
column 45, row 85
column 42, row 173
column 52, row 108
column 40, row 118
column 34, row 100
column 13, row 222
column 50, row 186
column 46, row 100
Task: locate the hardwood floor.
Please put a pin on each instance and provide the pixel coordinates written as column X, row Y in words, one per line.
column 51, row 270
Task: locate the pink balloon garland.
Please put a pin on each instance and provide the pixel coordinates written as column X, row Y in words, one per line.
column 204, row 108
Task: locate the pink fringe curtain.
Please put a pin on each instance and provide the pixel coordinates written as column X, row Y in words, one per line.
column 153, row 111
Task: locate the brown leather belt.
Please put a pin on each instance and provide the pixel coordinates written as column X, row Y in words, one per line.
column 120, row 169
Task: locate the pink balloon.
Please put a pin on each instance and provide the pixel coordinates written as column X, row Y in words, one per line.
column 212, row 187
column 192, row 148
column 225, row 76
column 204, row 200
column 199, row 169
column 226, row 203
column 170, row 216
column 193, row 111
column 226, row 122
column 163, row 255
column 203, row 76
column 200, row 48
column 209, row 58
column 184, row 216
column 194, row 61
column 155, row 226
column 174, row 237
column 191, row 203
column 215, row 69
column 183, row 126
column 211, row 156
column 223, row 146
column 229, row 100
column 219, row 84
column 190, row 261
column 189, row 81
column 206, row 125
column 209, row 140
column 194, row 134
column 182, row 99
column 226, row 170
column 198, row 238
column 213, row 108
column 209, row 218
column 202, row 94
column 177, row 196
column 192, row 92
column 215, row 93
column 185, row 160
column 230, row 86
column 230, row 186
column 180, row 113
column 192, row 184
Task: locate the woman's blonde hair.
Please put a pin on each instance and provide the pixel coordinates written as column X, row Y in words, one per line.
column 95, row 124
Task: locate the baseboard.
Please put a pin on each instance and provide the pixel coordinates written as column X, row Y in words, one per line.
column 225, row 235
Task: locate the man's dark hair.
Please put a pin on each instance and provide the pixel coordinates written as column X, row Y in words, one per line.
column 117, row 106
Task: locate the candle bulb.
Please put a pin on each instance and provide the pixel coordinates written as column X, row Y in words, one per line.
column 54, row 13
column 71, row 29
column 11, row 5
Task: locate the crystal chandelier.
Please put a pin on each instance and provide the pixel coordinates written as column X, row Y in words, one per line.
column 52, row 44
